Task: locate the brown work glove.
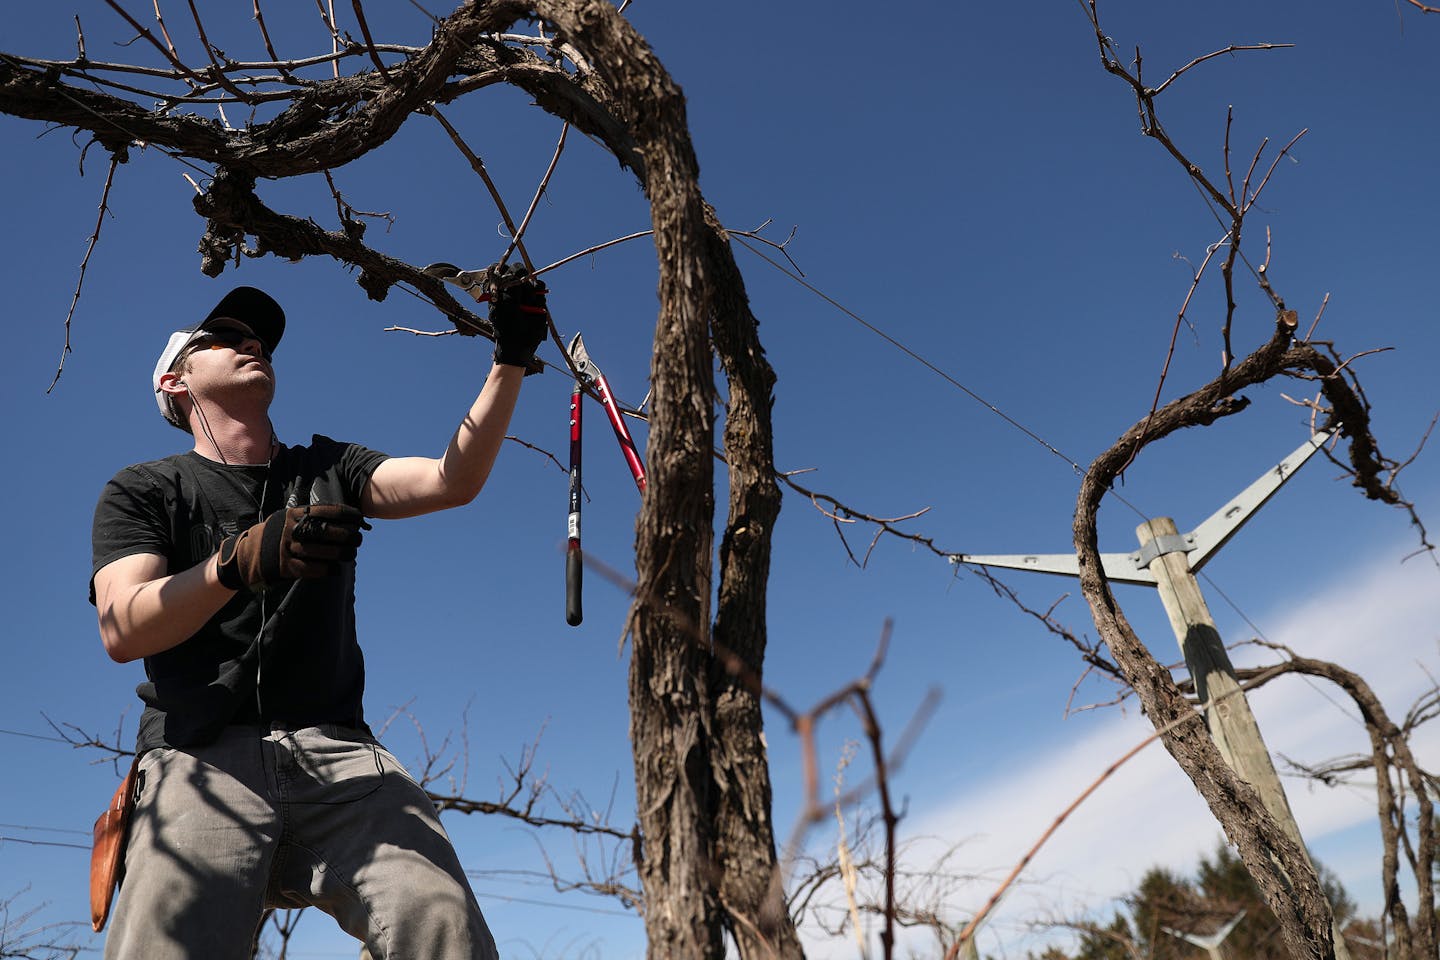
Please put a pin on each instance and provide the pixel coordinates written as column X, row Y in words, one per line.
column 298, row 543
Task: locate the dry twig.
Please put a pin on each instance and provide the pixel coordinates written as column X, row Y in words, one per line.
column 115, row 160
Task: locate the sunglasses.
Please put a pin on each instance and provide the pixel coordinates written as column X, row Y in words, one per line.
column 226, row 337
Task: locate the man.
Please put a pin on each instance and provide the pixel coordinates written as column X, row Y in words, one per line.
column 230, row 570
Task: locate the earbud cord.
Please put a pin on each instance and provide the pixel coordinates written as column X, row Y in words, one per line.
column 265, row 623
column 205, row 422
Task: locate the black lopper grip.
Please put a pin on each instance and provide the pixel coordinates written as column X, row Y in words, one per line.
column 574, row 573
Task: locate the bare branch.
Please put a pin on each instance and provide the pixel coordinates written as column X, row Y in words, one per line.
column 1284, row 152
column 595, row 249
column 166, row 49
column 1197, row 276
column 1029, row 855
column 370, row 41
column 264, row 32
column 539, row 192
column 115, row 160
column 216, row 71
column 1232, row 49
column 478, row 166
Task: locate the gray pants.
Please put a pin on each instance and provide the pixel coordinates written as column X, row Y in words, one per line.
column 321, row 816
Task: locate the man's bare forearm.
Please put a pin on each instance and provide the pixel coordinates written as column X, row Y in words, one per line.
column 471, row 453
column 409, row 486
column 140, row 616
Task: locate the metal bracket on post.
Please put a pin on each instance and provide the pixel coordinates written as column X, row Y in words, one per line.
column 1168, row 543
column 1200, row 543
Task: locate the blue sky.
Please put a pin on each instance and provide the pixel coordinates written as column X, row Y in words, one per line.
column 965, row 177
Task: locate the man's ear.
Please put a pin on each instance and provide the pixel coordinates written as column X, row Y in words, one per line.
column 173, row 384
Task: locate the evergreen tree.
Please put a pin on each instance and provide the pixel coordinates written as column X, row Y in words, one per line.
column 1115, row 942
column 1220, row 889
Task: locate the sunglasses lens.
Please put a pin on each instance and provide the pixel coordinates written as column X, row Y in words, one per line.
column 230, row 337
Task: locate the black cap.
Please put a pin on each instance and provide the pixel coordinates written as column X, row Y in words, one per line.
column 254, row 308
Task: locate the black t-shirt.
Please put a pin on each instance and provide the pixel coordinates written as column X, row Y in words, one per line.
column 307, row 668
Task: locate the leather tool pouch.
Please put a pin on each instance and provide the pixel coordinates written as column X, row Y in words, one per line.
column 107, row 856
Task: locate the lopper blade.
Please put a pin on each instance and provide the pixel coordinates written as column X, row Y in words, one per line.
column 581, row 359
column 473, row 282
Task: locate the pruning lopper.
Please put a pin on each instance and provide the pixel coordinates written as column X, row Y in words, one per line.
column 589, row 376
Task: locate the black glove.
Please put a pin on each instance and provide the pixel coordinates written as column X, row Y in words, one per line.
column 301, row 542
column 518, row 314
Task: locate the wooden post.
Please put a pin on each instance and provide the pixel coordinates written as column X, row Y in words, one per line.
column 1227, row 714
